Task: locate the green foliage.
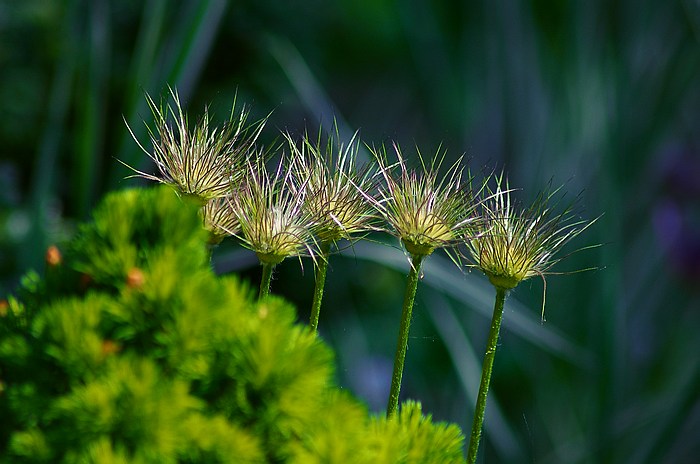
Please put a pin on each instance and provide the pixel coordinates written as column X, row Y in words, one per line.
column 133, row 350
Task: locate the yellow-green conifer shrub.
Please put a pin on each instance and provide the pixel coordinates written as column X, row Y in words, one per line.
column 131, row 350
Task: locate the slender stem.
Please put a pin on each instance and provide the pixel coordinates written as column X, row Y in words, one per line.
column 210, row 252
column 320, row 284
column 402, row 344
column 486, row 370
column 266, row 279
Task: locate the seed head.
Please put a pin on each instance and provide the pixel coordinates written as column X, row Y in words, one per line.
column 333, row 187
column 424, row 211
column 513, row 244
column 202, row 162
column 219, row 219
column 272, row 220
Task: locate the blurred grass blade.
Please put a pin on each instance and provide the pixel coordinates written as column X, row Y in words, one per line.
column 145, row 53
column 144, row 65
column 183, row 52
column 478, row 295
column 674, row 408
column 310, row 91
column 468, row 368
column 193, row 47
column 43, row 176
column 92, row 104
column 307, row 87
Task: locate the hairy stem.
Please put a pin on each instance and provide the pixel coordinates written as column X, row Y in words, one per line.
column 402, row 344
column 266, row 279
column 486, row 370
column 321, row 270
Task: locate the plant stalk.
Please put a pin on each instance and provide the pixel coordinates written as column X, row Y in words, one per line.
column 486, row 370
column 321, row 270
column 266, row 279
column 402, row 345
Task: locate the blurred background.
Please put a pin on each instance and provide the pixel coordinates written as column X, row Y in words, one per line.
column 601, row 96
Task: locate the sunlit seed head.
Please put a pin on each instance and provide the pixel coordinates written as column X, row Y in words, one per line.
column 284, row 236
column 428, row 232
column 513, row 244
column 270, row 214
column 423, row 210
column 333, row 186
column 201, row 161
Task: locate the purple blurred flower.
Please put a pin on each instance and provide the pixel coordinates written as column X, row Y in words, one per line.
column 676, row 215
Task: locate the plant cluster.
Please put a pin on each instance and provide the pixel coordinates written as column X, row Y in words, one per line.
column 315, row 198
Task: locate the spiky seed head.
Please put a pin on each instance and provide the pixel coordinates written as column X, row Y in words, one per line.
column 423, row 210
column 219, row 218
column 513, row 244
column 272, row 220
column 333, row 186
column 201, row 162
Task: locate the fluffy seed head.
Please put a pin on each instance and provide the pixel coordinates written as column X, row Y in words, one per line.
column 272, row 220
column 201, row 162
column 333, row 186
column 514, row 244
column 423, row 210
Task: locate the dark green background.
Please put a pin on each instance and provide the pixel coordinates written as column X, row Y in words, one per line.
column 602, row 96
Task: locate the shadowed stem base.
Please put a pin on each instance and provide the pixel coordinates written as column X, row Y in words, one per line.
column 321, row 270
column 486, row 370
column 266, row 279
column 402, row 345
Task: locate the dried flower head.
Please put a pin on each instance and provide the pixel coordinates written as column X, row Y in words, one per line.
column 110, row 347
column 514, row 244
column 272, row 220
column 219, row 219
column 204, row 161
column 423, row 210
column 53, row 256
column 333, row 186
column 135, row 278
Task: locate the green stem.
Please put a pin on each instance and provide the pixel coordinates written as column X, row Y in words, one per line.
column 266, row 279
column 486, row 370
column 210, row 253
column 402, row 344
column 321, row 270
